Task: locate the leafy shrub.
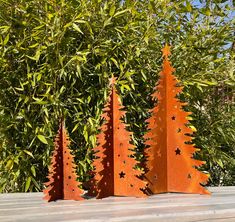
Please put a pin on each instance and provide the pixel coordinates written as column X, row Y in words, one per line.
column 56, row 57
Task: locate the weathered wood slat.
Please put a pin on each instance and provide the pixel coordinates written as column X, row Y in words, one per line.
column 164, row 207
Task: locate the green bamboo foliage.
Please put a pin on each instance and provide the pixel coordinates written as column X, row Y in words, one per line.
column 56, row 58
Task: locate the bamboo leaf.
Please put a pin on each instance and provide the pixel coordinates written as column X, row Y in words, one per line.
column 10, row 164
column 33, row 170
column 76, row 27
column 121, row 13
column 29, row 153
column 27, row 184
column 42, row 139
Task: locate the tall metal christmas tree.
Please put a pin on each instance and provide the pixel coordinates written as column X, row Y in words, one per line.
column 62, row 182
column 171, row 166
column 114, row 173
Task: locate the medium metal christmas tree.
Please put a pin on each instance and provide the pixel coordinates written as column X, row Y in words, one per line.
column 170, row 163
column 114, row 173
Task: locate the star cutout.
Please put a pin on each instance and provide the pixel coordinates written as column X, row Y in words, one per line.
column 173, row 117
column 159, row 153
column 166, row 50
column 179, row 130
column 177, row 151
column 122, row 174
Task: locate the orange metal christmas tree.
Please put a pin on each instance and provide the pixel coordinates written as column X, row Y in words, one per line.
column 170, row 165
column 114, row 173
column 62, row 182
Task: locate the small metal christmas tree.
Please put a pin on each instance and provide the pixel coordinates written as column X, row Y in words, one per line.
column 62, row 182
column 170, row 165
column 114, row 173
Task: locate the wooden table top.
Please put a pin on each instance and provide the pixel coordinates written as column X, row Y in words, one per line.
column 172, row 207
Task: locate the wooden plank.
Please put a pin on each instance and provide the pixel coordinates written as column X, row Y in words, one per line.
column 220, row 206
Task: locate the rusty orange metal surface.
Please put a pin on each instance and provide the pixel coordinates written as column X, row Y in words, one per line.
column 170, row 165
column 114, row 173
column 62, row 182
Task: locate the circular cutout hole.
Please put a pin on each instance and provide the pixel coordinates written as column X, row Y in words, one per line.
column 69, row 177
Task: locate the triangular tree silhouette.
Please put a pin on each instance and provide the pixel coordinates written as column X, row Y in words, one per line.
column 170, row 164
column 114, row 173
column 62, row 177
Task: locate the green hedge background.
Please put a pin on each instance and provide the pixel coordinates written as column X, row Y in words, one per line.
column 56, row 57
